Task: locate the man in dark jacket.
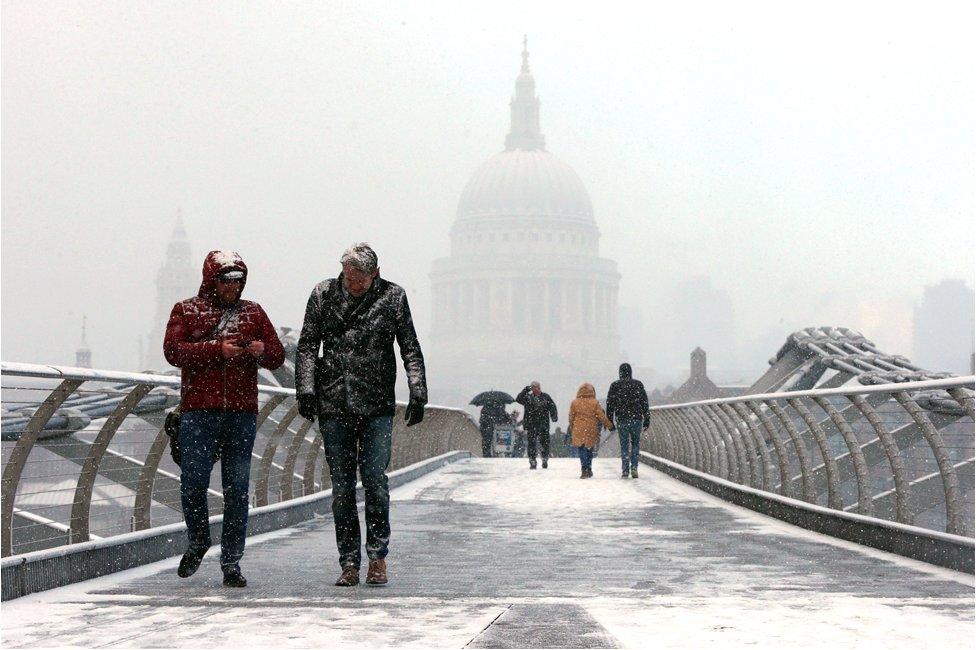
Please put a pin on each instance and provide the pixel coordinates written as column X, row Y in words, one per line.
column 627, row 404
column 354, row 319
column 492, row 413
column 539, row 411
column 218, row 341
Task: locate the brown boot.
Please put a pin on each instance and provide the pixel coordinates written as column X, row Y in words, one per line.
column 376, row 575
column 349, row 577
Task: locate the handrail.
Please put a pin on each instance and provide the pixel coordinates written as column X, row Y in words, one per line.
column 900, row 451
column 40, row 371
column 46, row 434
column 931, row 384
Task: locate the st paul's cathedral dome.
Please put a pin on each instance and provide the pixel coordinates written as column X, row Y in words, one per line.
column 524, row 293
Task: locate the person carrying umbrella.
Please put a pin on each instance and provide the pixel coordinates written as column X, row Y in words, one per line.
column 493, row 412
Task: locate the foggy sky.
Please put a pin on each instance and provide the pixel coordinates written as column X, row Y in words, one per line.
column 817, row 167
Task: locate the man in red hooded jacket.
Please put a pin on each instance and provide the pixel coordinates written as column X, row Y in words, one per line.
column 218, row 341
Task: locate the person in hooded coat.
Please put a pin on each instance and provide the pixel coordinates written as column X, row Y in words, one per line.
column 218, row 341
column 585, row 415
column 627, row 406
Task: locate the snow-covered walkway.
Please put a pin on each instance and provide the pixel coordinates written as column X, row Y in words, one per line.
column 486, row 553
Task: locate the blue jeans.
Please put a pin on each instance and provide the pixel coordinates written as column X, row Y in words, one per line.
column 586, row 457
column 201, row 433
column 629, row 432
column 366, row 443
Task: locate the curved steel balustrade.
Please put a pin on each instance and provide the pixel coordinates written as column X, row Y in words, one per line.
column 84, row 453
column 901, row 452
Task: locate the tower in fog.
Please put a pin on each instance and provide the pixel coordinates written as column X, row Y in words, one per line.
column 177, row 279
column 83, row 354
column 943, row 327
column 524, row 293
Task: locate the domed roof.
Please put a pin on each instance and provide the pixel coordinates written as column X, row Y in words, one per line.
column 525, row 183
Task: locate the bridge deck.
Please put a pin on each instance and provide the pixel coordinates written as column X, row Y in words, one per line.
column 489, row 554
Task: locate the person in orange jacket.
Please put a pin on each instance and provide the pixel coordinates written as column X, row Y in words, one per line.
column 585, row 413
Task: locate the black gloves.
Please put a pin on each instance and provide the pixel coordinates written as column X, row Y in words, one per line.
column 647, row 423
column 307, row 407
column 414, row 413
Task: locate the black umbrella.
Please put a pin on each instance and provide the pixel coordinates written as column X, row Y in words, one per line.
column 492, row 397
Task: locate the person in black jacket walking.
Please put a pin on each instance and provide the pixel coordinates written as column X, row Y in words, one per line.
column 354, row 319
column 627, row 405
column 539, row 411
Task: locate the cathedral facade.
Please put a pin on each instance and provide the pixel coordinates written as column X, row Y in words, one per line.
column 524, row 293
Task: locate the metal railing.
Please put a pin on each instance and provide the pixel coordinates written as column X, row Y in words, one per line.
column 902, row 452
column 85, row 453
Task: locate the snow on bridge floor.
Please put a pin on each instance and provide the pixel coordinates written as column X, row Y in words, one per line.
column 486, row 553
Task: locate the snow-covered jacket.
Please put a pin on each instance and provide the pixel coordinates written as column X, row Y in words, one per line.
column 192, row 344
column 627, row 398
column 539, row 410
column 356, row 372
column 584, row 413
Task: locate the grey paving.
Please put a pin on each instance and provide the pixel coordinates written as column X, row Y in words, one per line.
column 486, row 553
column 544, row 625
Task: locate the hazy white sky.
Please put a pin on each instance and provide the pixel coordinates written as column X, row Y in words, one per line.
column 816, row 164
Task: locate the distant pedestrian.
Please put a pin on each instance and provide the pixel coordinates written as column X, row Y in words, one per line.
column 585, row 417
column 492, row 413
column 627, row 406
column 540, row 410
column 354, row 319
column 218, row 341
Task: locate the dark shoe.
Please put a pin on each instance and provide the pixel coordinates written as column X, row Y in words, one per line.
column 190, row 562
column 626, row 474
column 633, row 473
column 532, row 464
column 349, row 577
column 233, row 577
column 376, row 575
column 545, row 464
column 589, row 473
column 582, row 473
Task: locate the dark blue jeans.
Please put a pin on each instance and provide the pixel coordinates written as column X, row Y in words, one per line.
column 201, row 432
column 364, row 443
column 629, row 432
column 586, row 457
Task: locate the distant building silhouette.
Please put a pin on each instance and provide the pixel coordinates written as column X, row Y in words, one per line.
column 692, row 312
column 698, row 387
column 177, row 279
column 83, row 355
column 943, row 327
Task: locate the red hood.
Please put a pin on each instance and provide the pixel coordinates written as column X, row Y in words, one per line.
column 216, row 263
